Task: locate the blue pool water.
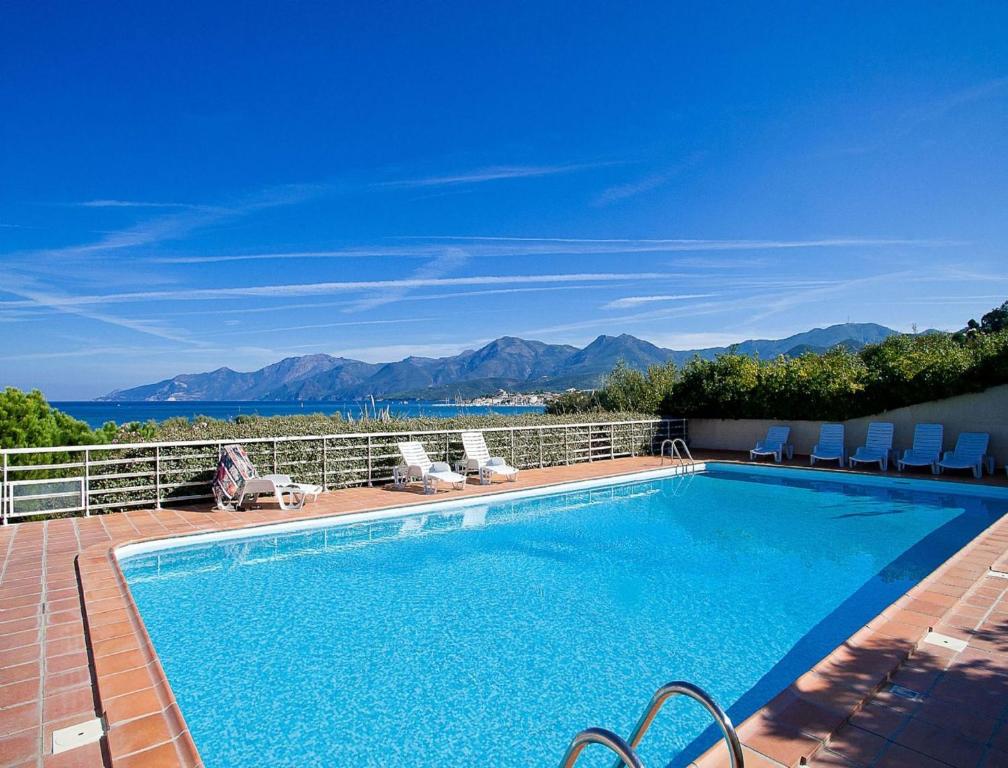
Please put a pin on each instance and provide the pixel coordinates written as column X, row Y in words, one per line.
column 490, row 634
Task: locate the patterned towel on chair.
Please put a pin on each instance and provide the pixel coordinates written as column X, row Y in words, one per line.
column 233, row 469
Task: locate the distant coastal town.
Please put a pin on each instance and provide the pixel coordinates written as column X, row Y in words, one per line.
column 505, row 398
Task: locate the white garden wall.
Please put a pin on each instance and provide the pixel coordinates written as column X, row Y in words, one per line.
column 979, row 412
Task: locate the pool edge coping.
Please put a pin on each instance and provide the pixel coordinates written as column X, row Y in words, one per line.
column 898, row 630
column 98, row 569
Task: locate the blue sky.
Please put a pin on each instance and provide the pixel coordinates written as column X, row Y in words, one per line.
column 183, row 188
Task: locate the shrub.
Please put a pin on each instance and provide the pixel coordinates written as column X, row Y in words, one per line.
column 838, row 384
column 578, row 401
column 625, row 390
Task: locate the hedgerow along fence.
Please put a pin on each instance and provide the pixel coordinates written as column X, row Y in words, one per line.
column 95, row 479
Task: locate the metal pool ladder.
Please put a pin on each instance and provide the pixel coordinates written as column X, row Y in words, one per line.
column 674, row 452
column 626, row 750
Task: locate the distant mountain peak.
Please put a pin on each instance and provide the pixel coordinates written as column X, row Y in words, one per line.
column 508, row 362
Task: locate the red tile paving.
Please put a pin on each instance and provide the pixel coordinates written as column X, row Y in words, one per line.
column 72, row 646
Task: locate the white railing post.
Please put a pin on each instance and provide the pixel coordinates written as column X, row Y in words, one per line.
column 274, row 457
column 157, row 476
column 513, row 454
column 87, row 483
column 3, row 493
column 612, row 441
column 566, row 445
column 325, row 464
column 369, row 466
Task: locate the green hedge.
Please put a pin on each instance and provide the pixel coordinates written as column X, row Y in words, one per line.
column 838, row 385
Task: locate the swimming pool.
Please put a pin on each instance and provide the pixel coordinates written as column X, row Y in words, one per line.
column 488, row 631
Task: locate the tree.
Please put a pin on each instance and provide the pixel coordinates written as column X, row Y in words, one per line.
column 28, row 421
column 995, row 320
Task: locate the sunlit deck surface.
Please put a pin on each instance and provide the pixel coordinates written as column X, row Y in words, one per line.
column 72, row 647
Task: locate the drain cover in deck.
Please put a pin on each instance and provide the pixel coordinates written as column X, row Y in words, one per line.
column 77, row 736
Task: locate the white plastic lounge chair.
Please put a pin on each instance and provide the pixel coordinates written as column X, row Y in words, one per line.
column 877, row 447
column 236, row 478
column 830, row 446
column 289, row 495
column 478, row 459
column 970, row 453
column 927, row 445
column 776, row 444
column 418, row 466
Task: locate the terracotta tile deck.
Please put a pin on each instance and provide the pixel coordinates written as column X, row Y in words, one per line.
column 72, row 646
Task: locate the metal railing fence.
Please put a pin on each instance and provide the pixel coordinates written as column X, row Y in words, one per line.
column 94, row 479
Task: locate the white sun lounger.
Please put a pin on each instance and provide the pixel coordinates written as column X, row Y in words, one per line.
column 776, row 444
column 237, row 479
column 289, row 495
column 830, row 446
column 927, row 445
column 970, row 453
column 877, row 447
column 418, row 466
column 478, row 459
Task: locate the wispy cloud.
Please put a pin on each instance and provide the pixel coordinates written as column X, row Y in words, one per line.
column 335, row 253
column 627, row 245
column 171, row 226
column 324, row 288
column 769, row 299
column 316, row 326
column 490, row 173
column 636, row 301
column 619, row 192
column 898, row 128
column 40, row 298
column 793, row 299
column 497, row 247
column 82, row 351
column 443, row 264
column 136, row 204
column 945, row 104
column 256, row 309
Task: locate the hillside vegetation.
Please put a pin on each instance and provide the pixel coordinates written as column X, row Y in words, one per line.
column 835, row 385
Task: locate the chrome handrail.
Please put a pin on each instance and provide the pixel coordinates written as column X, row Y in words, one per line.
column 606, row 738
column 681, row 688
column 674, row 452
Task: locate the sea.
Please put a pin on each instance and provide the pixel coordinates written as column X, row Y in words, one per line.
column 96, row 413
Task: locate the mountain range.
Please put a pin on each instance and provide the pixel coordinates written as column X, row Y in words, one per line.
column 505, row 363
